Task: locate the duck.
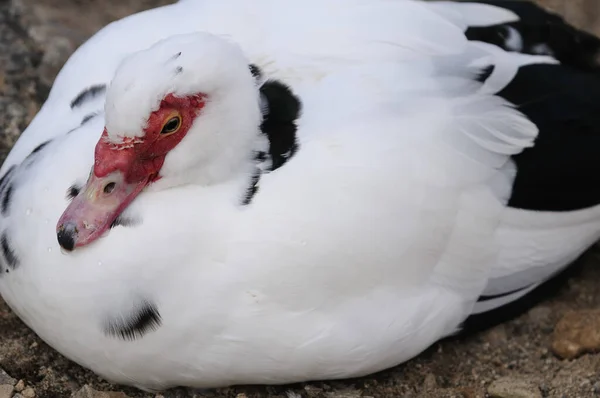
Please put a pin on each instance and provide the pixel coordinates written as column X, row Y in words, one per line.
column 224, row 192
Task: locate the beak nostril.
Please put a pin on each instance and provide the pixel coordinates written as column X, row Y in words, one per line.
column 108, row 188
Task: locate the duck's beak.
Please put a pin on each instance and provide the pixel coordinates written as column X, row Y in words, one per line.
column 119, row 174
column 95, row 208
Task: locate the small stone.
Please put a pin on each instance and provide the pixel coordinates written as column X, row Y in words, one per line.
column 577, row 333
column 20, row 386
column 430, row 382
column 495, row 336
column 6, row 390
column 88, row 392
column 28, row 392
column 509, row 387
column 6, row 379
column 241, row 395
column 545, row 389
column 313, row 391
column 344, row 393
column 540, row 315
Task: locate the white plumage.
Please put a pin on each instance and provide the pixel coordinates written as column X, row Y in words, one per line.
column 372, row 242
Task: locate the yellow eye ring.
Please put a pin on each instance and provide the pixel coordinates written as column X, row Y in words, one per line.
column 172, row 125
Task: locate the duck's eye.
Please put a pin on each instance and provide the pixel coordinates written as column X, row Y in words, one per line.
column 171, row 126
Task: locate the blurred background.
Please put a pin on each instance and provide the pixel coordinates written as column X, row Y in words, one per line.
column 547, row 352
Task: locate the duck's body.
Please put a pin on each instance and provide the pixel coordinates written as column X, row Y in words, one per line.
column 373, row 237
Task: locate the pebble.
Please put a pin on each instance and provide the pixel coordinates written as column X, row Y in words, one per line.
column 495, row 336
column 430, row 382
column 6, row 379
column 88, row 392
column 28, row 392
column 6, row 390
column 577, row 333
column 508, row 387
column 313, row 391
column 540, row 314
column 344, row 393
column 20, row 386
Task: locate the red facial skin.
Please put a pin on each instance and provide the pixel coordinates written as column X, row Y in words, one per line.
column 121, row 171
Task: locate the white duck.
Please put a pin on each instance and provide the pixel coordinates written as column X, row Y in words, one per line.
column 310, row 189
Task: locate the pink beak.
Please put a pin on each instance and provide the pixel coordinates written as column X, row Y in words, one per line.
column 95, row 208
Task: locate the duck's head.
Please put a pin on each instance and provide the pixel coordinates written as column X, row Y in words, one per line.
column 186, row 110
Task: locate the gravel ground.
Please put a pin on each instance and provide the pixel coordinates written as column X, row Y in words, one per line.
column 546, row 352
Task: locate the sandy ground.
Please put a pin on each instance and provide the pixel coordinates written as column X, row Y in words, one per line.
column 515, row 359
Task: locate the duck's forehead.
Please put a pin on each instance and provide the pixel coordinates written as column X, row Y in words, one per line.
column 130, row 98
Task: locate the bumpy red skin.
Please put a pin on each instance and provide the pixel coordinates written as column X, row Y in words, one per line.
column 141, row 157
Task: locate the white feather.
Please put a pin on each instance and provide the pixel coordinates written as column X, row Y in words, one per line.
column 474, row 14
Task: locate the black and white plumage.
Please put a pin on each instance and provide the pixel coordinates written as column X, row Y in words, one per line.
column 554, row 184
column 540, row 32
column 269, row 192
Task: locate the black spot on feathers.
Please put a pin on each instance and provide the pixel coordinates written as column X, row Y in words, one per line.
column 256, row 72
column 542, row 33
column 279, row 122
column 29, row 160
column 144, row 319
column 123, row 221
column 6, row 190
column 485, row 73
column 39, row 147
column 260, row 156
column 88, row 117
column 73, row 191
column 6, row 198
column 252, row 188
column 8, row 252
column 87, row 95
column 7, row 176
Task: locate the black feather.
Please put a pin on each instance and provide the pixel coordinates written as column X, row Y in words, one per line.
column 7, row 176
column 279, row 124
column 252, row 188
column 124, row 222
column 8, row 252
column 6, row 189
column 542, row 32
column 256, row 72
column 88, row 94
column 142, row 320
column 87, row 118
column 561, row 172
column 39, row 147
column 73, row 191
column 6, row 198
